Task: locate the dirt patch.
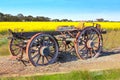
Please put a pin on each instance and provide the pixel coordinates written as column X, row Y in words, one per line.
column 66, row 63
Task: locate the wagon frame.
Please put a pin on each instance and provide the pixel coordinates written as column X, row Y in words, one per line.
column 43, row 48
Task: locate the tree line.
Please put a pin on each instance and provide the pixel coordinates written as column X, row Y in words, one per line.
column 20, row 17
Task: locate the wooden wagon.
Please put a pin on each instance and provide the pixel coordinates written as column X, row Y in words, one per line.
column 43, row 48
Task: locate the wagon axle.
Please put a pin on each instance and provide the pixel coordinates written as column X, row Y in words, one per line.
column 90, row 44
column 44, row 51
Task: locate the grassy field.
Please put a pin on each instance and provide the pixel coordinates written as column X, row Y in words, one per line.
column 110, row 40
column 75, row 75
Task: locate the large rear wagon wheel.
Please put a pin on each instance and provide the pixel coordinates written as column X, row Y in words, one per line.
column 89, row 43
column 42, row 49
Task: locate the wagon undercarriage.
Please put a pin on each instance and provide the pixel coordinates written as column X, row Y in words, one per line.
column 43, row 48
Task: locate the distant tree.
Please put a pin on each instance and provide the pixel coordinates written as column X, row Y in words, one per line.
column 65, row 20
column 21, row 17
column 100, row 19
column 41, row 18
column 1, row 16
column 47, row 19
column 7, row 17
column 29, row 18
column 56, row 20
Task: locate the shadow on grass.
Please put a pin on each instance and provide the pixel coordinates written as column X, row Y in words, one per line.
column 67, row 57
column 110, row 52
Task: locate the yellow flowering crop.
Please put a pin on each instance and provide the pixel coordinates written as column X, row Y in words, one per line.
column 34, row 26
column 42, row 26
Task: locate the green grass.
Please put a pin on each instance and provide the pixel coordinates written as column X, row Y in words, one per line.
column 111, row 39
column 75, row 75
column 3, row 41
column 4, row 45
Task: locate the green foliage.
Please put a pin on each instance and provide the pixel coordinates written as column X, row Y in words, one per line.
column 3, row 32
column 75, row 75
column 3, row 41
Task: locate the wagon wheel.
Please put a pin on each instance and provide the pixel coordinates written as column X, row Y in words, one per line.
column 67, row 46
column 16, row 47
column 42, row 49
column 89, row 43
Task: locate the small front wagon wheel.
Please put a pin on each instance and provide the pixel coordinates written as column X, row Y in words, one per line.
column 89, row 43
column 16, row 47
column 42, row 49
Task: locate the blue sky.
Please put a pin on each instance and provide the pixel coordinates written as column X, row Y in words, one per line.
column 70, row 9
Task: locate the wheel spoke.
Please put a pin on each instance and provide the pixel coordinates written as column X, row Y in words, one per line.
column 92, row 35
column 33, row 50
column 47, row 58
column 39, row 41
column 82, row 48
column 13, row 44
column 95, row 38
column 35, row 44
column 81, row 42
column 38, row 59
column 95, row 46
column 42, row 59
column 43, row 41
column 15, row 49
column 96, row 42
column 48, row 42
column 51, row 55
column 35, row 56
column 94, row 52
column 17, row 52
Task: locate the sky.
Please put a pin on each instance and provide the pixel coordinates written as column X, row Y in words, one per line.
column 62, row 9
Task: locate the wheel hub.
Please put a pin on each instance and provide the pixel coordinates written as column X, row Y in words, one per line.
column 44, row 51
column 90, row 44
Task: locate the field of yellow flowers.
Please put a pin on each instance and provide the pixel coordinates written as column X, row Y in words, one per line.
column 42, row 26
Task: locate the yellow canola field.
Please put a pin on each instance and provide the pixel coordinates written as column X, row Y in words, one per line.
column 42, row 26
column 34, row 26
column 110, row 25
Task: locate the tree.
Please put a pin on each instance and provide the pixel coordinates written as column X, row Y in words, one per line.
column 56, row 20
column 64, row 20
column 41, row 18
column 1, row 16
column 21, row 17
column 100, row 20
column 7, row 17
column 29, row 18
